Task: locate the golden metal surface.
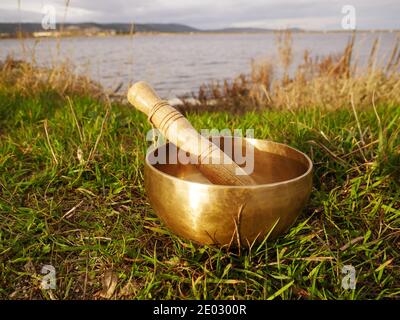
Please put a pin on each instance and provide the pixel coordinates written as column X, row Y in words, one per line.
column 207, row 213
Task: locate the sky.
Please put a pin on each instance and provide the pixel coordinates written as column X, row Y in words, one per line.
column 212, row 14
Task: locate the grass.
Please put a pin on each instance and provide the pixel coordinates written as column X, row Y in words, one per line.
column 72, row 196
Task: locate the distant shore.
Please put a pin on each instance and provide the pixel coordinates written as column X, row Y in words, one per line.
column 35, row 30
column 152, row 33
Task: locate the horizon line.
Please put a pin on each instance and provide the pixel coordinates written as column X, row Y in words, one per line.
column 212, row 29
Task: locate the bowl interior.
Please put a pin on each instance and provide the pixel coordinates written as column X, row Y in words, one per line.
column 272, row 162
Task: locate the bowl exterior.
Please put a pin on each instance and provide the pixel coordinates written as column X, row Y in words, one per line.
column 223, row 215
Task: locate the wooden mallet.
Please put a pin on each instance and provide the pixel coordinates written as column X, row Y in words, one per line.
column 212, row 162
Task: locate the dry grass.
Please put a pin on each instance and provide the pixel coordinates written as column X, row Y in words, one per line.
column 326, row 82
column 29, row 80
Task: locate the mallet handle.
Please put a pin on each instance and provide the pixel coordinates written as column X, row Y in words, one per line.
column 218, row 167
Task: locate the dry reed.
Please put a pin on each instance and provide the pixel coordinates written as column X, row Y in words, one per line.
column 325, row 82
column 29, row 80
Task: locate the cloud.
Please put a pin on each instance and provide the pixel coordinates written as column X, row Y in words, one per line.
column 309, row 14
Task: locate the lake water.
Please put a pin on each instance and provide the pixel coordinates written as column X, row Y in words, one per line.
column 177, row 64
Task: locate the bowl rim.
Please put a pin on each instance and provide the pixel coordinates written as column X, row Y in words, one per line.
column 219, row 186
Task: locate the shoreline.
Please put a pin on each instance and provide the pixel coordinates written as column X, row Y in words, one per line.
column 194, row 33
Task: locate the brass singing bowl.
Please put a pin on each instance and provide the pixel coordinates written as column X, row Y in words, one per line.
column 197, row 210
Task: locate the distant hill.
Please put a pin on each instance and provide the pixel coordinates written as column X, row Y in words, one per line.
column 92, row 28
column 249, row 30
column 159, row 27
column 13, row 28
column 233, row 30
column 29, row 28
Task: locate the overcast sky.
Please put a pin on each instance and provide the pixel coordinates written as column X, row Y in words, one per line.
column 307, row 14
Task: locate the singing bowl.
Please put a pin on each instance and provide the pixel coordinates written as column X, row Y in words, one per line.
column 206, row 213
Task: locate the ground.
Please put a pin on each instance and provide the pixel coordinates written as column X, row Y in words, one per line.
column 72, row 196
